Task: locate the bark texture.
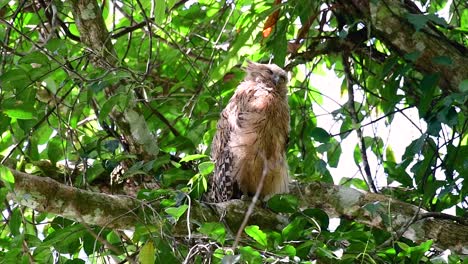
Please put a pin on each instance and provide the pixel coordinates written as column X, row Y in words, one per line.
column 388, row 20
column 122, row 212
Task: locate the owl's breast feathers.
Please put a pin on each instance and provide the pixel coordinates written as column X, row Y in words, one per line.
column 251, row 137
column 259, row 117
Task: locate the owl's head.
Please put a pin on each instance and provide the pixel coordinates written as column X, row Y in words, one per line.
column 269, row 74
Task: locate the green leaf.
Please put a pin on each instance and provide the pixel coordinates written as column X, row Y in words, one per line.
column 437, row 20
column 15, row 222
column 320, row 135
column 214, row 231
column 232, row 58
column 147, row 253
column 283, row 203
column 442, row 60
column 90, row 243
column 109, row 105
column 65, row 240
column 21, row 112
column 250, row 255
column 160, row 12
column 427, row 86
column 325, row 253
column 414, row 148
column 289, row 251
column 418, row 21
column 206, row 168
column 293, row 230
column 170, row 3
column 354, row 182
column 389, row 155
column 412, row 56
column 35, row 57
column 193, row 157
column 7, row 177
column 176, row 212
column 14, row 75
column 357, row 155
column 334, row 154
column 463, row 86
column 319, row 216
column 258, row 235
column 55, row 150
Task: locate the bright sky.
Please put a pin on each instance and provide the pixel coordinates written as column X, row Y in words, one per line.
column 398, row 139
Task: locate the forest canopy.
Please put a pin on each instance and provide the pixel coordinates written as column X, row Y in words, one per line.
column 108, row 110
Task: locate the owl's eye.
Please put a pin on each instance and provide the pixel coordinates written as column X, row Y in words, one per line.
column 270, row 71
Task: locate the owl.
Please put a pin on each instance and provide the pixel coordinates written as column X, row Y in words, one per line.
column 251, row 137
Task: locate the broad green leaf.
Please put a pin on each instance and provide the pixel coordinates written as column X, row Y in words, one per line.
column 206, row 168
column 176, row 212
column 258, row 235
column 442, row 60
column 357, row 155
column 232, row 58
column 354, row 182
column 250, row 255
column 283, row 203
column 319, row 217
column 326, row 253
column 109, row 105
column 412, row 56
column 389, row 155
column 164, row 251
column 170, row 3
column 193, row 157
column 289, row 251
column 334, row 154
column 3, row 194
column 7, row 177
column 294, row 229
column 15, row 222
column 438, row 20
column 464, row 86
column 418, row 21
column 14, row 75
column 113, row 238
column 320, row 135
column 20, row 113
column 214, row 231
column 55, row 150
column 65, row 240
column 90, row 243
column 427, row 86
column 160, row 12
column 147, row 253
column 35, row 57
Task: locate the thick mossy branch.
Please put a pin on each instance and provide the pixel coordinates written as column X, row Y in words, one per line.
column 389, row 21
column 122, row 212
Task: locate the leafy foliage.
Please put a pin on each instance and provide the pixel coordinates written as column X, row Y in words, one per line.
column 144, row 93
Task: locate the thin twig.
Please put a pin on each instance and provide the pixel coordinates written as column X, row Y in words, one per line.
column 354, row 118
column 252, row 205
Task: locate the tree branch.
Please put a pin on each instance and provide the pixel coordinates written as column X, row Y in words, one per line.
column 388, row 20
column 122, row 212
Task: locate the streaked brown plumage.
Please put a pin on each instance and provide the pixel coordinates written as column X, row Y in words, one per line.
column 251, row 137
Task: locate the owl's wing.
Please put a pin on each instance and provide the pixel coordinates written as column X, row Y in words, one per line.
column 222, row 180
